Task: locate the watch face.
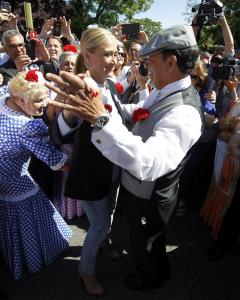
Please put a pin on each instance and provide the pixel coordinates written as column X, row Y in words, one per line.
column 101, row 121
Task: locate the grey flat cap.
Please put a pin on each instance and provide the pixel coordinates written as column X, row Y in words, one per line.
column 175, row 37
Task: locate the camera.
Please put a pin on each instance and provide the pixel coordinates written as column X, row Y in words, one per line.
column 57, row 28
column 226, row 70
column 208, row 11
column 30, row 49
column 142, row 69
column 6, row 6
column 131, row 31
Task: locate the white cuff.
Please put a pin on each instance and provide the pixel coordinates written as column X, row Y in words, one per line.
column 105, row 138
column 61, row 163
column 64, row 128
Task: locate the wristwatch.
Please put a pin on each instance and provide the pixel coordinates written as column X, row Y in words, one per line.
column 101, row 120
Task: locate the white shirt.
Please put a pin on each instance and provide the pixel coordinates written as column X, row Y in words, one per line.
column 171, row 139
column 4, row 57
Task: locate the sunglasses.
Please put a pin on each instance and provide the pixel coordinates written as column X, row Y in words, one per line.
column 122, row 54
column 15, row 46
column 193, row 76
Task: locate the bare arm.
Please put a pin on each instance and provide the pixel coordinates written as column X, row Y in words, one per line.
column 227, row 35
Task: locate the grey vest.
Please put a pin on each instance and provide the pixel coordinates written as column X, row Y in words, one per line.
column 164, row 189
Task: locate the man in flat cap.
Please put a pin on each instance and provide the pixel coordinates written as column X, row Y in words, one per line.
column 152, row 156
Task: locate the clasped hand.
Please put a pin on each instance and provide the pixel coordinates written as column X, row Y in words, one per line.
column 83, row 97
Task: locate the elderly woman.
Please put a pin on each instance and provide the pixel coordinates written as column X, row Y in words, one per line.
column 32, row 231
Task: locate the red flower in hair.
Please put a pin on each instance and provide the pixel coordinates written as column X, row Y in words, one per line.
column 108, row 107
column 140, row 114
column 32, row 76
column 70, row 48
column 119, row 87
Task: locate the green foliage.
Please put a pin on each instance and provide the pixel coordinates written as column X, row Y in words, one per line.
column 105, row 13
column 149, row 26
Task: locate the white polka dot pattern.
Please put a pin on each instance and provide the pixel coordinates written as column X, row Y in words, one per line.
column 32, row 231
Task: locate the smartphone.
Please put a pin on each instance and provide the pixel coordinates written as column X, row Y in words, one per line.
column 30, row 49
column 57, row 28
column 6, row 6
column 131, row 30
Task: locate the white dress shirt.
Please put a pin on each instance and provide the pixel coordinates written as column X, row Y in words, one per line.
column 171, row 139
column 107, row 99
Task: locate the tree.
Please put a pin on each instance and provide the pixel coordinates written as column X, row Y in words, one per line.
column 105, row 13
column 41, row 10
column 149, row 26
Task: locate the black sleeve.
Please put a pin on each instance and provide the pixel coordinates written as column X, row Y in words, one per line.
column 56, row 135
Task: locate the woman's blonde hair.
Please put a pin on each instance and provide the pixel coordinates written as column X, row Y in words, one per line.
column 91, row 39
column 27, row 90
column 202, row 73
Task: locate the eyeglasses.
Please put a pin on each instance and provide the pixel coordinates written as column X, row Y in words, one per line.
column 193, row 76
column 122, row 54
column 15, row 46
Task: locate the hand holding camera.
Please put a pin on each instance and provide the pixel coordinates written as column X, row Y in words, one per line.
column 5, row 7
column 208, row 12
column 4, row 15
column 22, row 61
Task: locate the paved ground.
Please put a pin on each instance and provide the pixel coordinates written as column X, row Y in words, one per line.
column 193, row 277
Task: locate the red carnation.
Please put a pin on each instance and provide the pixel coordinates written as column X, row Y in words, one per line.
column 32, row 76
column 70, row 48
column 140, row 114
column 119, row 87
column 108, row 107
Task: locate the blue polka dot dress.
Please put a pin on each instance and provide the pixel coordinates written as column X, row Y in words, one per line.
column 32, row 232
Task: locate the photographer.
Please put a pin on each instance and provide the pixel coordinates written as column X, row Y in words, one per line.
column 18, row 61
column 7, row 21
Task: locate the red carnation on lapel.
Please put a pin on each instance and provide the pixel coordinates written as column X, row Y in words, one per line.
column 70, row 48
column 108, row 107
column 119, row 87
column 32, row 76
column 140, row 114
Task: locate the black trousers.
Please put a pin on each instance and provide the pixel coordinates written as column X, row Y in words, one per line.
column 145, row 222
column 230, row 229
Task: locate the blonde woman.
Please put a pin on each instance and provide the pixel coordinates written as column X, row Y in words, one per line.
column 92, row 178
column 32, row 231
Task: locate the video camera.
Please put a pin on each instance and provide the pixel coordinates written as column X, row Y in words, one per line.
column 208, row 11
column 226, row 69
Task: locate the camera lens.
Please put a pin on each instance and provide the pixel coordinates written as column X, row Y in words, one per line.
column 142, row 70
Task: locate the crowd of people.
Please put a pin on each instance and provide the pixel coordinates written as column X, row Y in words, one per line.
column 97, row 123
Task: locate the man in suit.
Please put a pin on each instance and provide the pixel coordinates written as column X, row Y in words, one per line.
column 152, row 156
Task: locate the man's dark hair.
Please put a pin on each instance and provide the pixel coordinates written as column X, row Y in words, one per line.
column 186, row 58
